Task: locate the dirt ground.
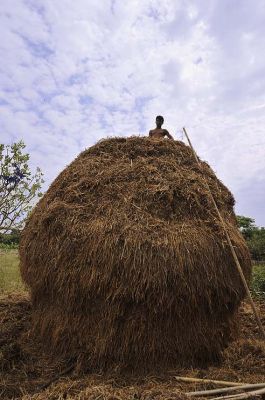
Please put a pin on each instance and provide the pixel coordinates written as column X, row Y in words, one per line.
column 27, row 372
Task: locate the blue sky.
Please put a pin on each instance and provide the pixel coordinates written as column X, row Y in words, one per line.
column 73, row 72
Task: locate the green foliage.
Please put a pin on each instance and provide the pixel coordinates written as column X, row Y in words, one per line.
column 18, row 186
column 246, row 225
column 254, row 236
column 11, row 246
column 258, row 281
column 9, row 240
column 256, row 244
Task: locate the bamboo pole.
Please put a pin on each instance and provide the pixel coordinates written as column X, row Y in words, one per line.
column 262, row 331
column 56, row 378
column 198, row 380
column 225, row 390
column 241, row 396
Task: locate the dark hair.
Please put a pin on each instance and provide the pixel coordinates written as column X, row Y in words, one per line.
column 160, row 118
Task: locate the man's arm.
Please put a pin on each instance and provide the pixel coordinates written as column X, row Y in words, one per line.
column 168, row 134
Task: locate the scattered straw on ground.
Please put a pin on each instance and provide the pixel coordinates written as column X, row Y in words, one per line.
column 25, row 370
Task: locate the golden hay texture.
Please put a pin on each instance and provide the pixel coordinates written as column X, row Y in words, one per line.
column 126, row 260
column 27, row 373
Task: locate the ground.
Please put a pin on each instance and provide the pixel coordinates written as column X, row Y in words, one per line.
column 28, row 373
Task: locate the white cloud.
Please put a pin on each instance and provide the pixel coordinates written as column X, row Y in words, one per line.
column 74, row 72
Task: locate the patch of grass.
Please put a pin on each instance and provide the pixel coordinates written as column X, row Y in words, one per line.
column 258, row 281
column 10, row 279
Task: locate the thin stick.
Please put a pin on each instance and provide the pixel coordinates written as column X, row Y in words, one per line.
column 54, row 379
column 224, row 390
column 198, row 380
column 262, row 331
column 242, row 395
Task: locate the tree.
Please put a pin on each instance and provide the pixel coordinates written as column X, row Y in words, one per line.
column 247, row 226
column 257, row 244
column 18, row 186
column 254, row 235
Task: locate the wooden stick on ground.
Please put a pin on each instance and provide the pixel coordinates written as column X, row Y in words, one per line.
column 198, row 380
column 248, row 395
column 262, row 331
column 225, row 390
column 55, row 378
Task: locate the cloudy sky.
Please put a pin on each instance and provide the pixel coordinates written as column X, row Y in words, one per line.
column 72, row 72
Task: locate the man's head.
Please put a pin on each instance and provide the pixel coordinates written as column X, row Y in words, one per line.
column 159, row 121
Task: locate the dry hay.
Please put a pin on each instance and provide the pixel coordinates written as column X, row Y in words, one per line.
column 24, row 366
column 25, row 372
column 126, row 261
column 92, row 388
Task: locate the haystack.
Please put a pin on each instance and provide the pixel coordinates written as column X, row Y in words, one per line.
column 126, row 260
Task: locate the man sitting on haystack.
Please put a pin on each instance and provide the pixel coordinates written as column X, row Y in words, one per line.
column 158, row 132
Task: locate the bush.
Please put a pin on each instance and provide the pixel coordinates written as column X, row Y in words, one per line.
column 254, row 235
column 258, row 281
column 10, row 240
column 8, row 246
column 257, row 244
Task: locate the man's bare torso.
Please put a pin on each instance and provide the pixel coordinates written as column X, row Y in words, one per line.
column 158, row 133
